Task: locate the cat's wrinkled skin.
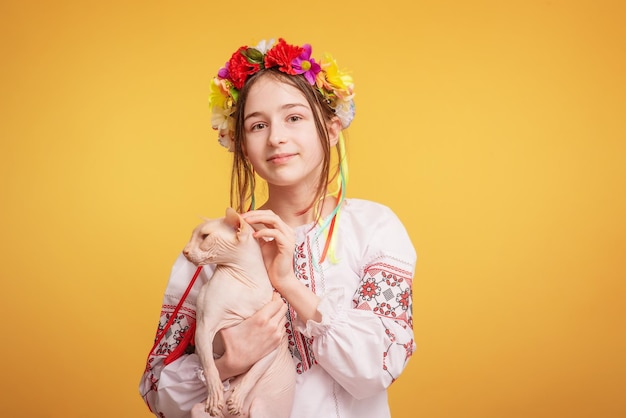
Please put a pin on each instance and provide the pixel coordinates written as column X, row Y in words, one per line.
column 238, row 288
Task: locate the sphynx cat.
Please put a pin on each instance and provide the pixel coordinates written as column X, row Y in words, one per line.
column 238, row 288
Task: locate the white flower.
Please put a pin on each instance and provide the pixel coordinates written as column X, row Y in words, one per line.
column 265, row 46
column 344, row 110
column 226, row 140
column 336, row 87
column 221, row 119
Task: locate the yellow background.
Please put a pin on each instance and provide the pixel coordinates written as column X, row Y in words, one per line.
column 495, row 130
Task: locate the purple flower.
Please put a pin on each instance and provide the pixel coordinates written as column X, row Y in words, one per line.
column 306, row 65
column 223, row 72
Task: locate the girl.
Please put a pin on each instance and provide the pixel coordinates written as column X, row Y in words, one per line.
column 343, row 266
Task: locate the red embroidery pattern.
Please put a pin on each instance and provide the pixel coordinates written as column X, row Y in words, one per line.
column 386, row 291
column 183, row 323
column 299, row 345
column 185, row 320
column 408, row 348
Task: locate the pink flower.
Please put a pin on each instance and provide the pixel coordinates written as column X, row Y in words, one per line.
column 304, row 64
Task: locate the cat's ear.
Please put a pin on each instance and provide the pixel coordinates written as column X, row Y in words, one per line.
column 235, row 220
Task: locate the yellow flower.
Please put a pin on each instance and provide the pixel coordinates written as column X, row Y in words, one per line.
column 336, row 79
column 335, row 85
column 216, row 97
column 219, row 96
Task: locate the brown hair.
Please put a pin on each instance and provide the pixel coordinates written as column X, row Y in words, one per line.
column 242, row 186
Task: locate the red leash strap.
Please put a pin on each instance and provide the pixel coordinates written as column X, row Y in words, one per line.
column 188, row 335
column 182, row 345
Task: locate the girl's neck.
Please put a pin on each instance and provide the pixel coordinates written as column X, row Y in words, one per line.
column 296, row 208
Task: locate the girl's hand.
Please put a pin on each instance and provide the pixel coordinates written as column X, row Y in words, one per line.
column 252, row 339
column 277, row 241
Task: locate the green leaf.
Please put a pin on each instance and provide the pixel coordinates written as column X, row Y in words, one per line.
column 253, row 55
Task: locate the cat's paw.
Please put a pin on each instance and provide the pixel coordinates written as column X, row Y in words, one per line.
column 235, row 402
column 215, row 400
column 213, row 409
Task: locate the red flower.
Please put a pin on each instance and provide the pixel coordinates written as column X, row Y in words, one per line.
column 282, row 56
column 240, row 68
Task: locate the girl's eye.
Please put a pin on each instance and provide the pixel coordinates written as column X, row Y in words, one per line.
column 294, row 118
column 258, row 126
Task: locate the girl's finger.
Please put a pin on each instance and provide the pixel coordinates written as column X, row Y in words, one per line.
column 265, row 217
column 267, row 234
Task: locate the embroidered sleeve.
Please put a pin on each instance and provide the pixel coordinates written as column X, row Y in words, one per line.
column 170, row 384
column 365, row 342
column 167, row 349
column 386, row 290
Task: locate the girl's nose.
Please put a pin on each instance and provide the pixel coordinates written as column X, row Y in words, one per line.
column 277, row 136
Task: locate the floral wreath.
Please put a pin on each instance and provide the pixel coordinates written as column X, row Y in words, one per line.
column 335, row 86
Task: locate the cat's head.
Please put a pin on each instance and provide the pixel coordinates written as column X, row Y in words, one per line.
column 219, row 240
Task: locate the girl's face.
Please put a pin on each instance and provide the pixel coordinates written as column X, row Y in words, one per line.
column 281, row 141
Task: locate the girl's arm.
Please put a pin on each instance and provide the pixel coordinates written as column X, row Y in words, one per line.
column 367, row 347
column 173, row 389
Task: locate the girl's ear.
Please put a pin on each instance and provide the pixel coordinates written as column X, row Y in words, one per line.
column 334, row 129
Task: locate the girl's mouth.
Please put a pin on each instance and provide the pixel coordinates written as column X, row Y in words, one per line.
column 280, row 158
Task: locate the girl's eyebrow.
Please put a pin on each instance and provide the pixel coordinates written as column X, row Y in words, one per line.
column 283, row 107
